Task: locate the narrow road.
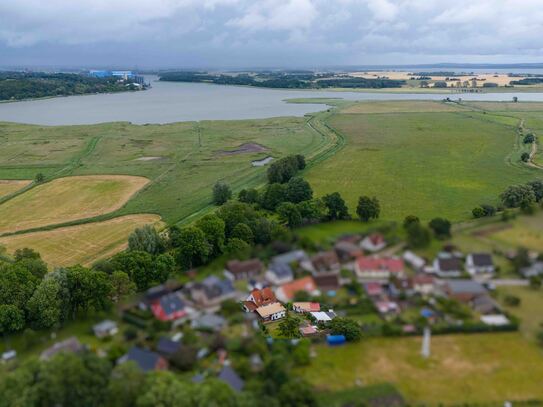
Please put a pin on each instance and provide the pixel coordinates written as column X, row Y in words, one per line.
column 511, row 282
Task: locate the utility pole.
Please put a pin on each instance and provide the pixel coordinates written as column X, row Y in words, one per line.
column 426, row 343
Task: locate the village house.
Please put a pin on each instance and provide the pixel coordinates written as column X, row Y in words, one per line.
column 303, row 307
column 145, row 359
column 209, row 322
column 347, row 251
column 417, row 263
column 378, row 268
column 155, row 293
column 386, row 307
column 373, row 243
column 534, row 270
column 231, row 378
column 308, row 330
column 168, row 347
column 243, row 270
column 479, row 263
column 271, row 312
column 448, row 267
column 279, row 273
column 105, row 329
column 327, row 282
column 294, row 257
column 212, row 291
column 259, row 298
column 70, row 345
column 464, row 290
column 325, row 263
column 423, row 284
column 287, row 292
column 170, row 307
column 374, row 289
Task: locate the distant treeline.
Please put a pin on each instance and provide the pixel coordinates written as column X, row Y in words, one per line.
column 528, row 81
column 437, row 73
column 285, row 80
column 29, row 85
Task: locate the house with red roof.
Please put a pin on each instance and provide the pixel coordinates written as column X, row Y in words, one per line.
column 259, row 298
column 379, row 268
column 286, row 292
column 170, row 307
column 303, row 307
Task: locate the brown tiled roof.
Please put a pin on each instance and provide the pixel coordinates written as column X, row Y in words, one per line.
column 325, row 260
column 247, row 266
column 327, row 282
column 263, row 297
column 302, row 284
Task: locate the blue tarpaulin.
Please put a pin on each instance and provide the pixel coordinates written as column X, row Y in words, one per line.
column 335, row 339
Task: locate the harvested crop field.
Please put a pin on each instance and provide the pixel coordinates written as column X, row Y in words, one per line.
column 246, row 148
column 80, row 244
column 67, row 199
column 10, row 186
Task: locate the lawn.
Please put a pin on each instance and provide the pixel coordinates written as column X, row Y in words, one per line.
column 462, row 369
column 529, row 311
column 525, row 231
column 81, row 244
column 67, row 199
column 10, row 186
column 428, row 164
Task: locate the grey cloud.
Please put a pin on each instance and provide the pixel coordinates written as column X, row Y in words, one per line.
column 267, row 32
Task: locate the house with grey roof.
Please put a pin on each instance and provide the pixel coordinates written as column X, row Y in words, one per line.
column 231, row 378
column 209, row 322
column 279, row 273
column 212, row 291
column 479, row 263
column 145, row 359
column 464, row 290
column 70, row 345
column 448, row 267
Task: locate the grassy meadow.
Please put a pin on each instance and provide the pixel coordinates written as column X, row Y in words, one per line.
column 482, row 368
column 67, row 199
column 431, row 163
column 80, row 244
column 182, row 160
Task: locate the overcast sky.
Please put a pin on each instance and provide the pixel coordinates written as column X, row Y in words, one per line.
column 265, row 33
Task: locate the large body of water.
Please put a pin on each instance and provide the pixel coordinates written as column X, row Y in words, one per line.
column 168, row 102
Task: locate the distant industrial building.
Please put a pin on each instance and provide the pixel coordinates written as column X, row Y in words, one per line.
column 125, row 75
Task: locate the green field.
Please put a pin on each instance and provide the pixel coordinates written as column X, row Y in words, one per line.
column 182, row 160
column 429, row 164
column 487, row 368
column 529, row 310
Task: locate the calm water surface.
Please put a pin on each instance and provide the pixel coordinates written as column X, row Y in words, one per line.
column 170, row 102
